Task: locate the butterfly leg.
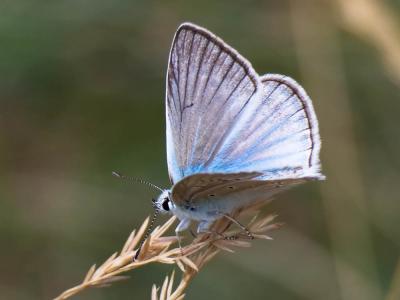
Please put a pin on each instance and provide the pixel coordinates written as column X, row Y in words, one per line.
column 194, row 235
column 204, row 226
column 182, row 226
column 244, row 228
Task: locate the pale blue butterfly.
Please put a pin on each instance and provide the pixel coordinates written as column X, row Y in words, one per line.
column 234, row 138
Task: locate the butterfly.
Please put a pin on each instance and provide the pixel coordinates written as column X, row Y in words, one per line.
column 234, row 138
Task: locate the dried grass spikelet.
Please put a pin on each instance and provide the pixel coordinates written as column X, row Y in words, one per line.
column 157, row 249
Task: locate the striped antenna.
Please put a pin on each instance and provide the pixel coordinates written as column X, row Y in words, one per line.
column 156, row 209
column 119, row 175
column 149, row 229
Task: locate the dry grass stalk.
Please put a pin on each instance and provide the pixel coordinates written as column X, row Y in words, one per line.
column 375, row 21
column 157, row 249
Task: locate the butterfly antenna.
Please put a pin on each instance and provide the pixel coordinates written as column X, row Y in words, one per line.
column 149, row 229
column 118, row 175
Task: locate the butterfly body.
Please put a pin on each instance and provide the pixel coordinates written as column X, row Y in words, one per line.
column 234, row 138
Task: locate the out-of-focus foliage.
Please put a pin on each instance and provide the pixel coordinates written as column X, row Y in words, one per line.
column 82, row 94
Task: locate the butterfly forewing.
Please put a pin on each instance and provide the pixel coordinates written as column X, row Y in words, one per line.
column 208, row 85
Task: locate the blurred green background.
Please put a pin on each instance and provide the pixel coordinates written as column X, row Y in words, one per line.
column 82, row 94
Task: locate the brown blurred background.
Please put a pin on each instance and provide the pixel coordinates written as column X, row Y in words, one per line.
column 82, row 94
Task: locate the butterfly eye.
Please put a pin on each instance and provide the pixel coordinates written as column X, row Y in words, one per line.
column 165, row 205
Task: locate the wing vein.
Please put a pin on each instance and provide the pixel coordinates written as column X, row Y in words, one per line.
column 227, row 131
column 212, row 68
column 222, row 80
column 200, row 65
column 187, row 70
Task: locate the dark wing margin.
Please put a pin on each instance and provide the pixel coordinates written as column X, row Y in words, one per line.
column 209, row 84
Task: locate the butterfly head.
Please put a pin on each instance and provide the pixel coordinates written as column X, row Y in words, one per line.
column 163, row 203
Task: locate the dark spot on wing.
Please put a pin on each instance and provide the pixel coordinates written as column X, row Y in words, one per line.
column 187, row 106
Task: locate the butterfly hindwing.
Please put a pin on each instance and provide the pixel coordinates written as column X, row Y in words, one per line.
column 194, row 185
column 197, row 189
